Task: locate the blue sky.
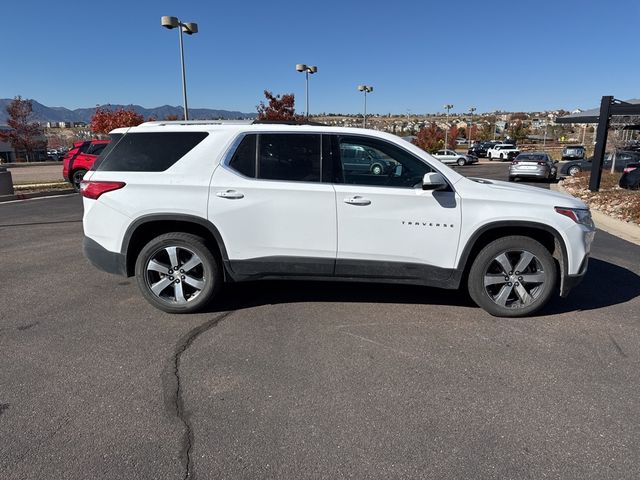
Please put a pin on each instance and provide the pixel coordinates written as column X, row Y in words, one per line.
column 418, row 55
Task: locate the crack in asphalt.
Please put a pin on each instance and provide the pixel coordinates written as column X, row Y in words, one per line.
column 173, row 389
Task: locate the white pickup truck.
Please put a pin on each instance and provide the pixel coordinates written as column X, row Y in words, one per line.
column 503, row 151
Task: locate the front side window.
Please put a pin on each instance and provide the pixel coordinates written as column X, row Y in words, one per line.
column 387, row 165
column 289, row 157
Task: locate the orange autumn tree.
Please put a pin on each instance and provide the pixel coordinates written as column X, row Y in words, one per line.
column 105, row 120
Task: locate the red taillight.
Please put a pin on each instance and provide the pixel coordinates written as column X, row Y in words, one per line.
column 629, row 169
column 93, row 190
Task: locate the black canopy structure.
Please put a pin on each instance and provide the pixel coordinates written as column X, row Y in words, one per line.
column 612, row 112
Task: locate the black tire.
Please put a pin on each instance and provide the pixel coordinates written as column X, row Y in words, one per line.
column 501, row 157
column 574, row 170
column 524, row 292
column 461, row 162
column 76, row 178
column 187, row 298
column 377, row 169
column 512, row 179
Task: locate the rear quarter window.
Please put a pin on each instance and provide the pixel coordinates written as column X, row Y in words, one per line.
column 148, row 152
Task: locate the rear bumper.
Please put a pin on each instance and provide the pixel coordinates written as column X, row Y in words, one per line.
column 103, row 259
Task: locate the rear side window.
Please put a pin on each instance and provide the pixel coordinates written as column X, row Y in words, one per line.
column 149, row 152
column 96, row 148
column 244, row 159
column 289, row 157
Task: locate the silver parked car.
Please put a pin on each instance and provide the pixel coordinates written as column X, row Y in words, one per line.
column 533, row 165
column 451, row 156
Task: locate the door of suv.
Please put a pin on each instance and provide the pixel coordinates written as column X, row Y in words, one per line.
column 273, row 212
column 388, row 226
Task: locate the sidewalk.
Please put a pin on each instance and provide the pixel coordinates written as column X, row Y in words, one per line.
column 625, row 230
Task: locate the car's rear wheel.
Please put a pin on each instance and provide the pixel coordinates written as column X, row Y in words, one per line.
column 574, row 170
column 512, row 276
column 501, row 157
column 177, row 273
column 461, row 162
column 76, row 178
column 376, row 169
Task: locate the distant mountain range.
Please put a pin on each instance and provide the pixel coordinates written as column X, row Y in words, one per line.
column 42, row 113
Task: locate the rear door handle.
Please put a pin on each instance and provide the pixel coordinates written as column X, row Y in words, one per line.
column 230, row 194
column 357, row 200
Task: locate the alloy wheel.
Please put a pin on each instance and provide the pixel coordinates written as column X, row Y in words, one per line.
column 514, row 279
column 175, row 275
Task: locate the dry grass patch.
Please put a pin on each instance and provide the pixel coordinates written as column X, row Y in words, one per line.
column 611, row 199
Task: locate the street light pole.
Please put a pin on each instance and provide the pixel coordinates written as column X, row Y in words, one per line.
column 189, row 28
column 366, row 89
column 307, row 69
column 448, row 107
column 471, row 110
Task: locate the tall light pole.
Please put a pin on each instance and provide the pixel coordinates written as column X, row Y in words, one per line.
column 471, row 110
column 447, row 107
column 189, row 28
column 307, row 69
column 366, row 89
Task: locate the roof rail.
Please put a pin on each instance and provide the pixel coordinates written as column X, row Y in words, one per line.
column 289, row 122
column 156, row 123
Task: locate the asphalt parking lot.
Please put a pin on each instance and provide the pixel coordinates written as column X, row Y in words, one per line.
column 307, row 380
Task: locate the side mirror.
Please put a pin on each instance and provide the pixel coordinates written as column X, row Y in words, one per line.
column 434, row 181
column 397, row 172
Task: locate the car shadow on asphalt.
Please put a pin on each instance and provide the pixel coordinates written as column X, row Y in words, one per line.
column 252, row 294
column 605, row 284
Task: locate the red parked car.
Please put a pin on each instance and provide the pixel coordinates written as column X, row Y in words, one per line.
column 80, row 159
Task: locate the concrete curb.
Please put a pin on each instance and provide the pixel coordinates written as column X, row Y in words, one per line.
column 626, row 230
column 27, row 196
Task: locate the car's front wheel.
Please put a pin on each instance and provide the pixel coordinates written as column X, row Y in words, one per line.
column 512, row 276
column 76, row 178
column 461, row 162
column 177, row 273
column 501, row 157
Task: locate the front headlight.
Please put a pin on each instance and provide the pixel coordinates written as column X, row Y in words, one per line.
column 578, row 215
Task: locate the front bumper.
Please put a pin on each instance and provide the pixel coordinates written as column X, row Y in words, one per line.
column 103, row 259
column 571, row 281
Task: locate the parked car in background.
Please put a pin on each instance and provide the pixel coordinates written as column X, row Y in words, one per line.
column 573, row 152
column 451, row 156
column 359, row 159
column 503, row 151
column 622, row 159
column 479, row 149
column 572, row 168
column 80, row 159
column 533, row 165
column 630, row 179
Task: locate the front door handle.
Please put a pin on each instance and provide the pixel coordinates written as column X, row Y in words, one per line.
column 357, row 200
column 230, row 194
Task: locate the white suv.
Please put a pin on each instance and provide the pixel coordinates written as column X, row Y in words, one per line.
column 186, row 206
column 503, row 151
